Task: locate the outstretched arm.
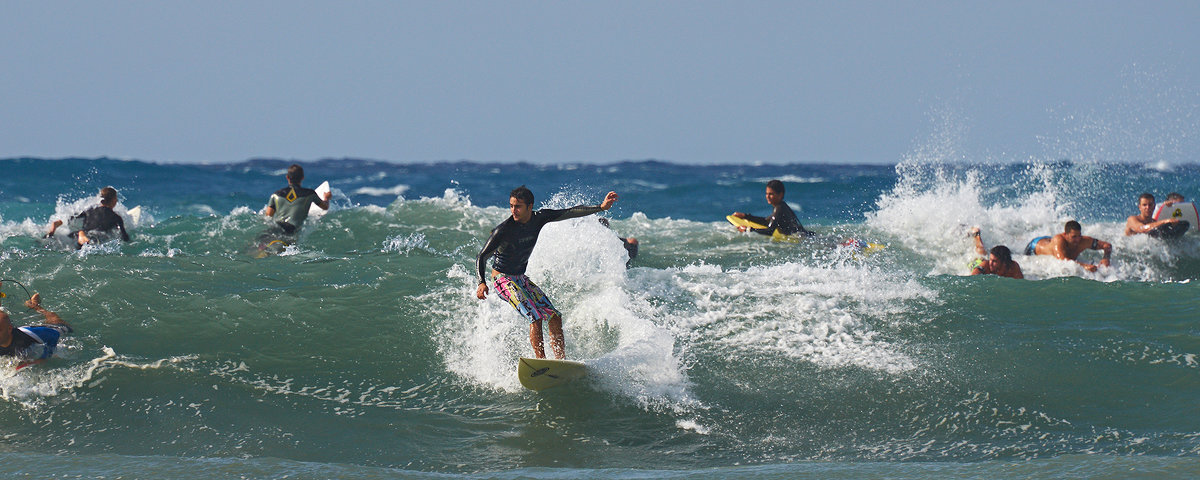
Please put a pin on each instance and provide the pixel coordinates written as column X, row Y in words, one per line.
column 1134, row 226
column 580, row 210
column 978, row 242
column 35, row 304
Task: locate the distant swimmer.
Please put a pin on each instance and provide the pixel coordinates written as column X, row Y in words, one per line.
column 32, row 344
column 1000, row 261
column 288, row 207
column 511, row 243
column 96, row 224
column 782, row 217
column 1172, row 198
column 1068, row 245
column 1144, row 221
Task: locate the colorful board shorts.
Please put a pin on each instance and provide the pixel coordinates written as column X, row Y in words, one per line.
column 524, row 296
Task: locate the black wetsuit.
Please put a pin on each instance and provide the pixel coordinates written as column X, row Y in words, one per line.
column 20, row 342
column 98, row 224
column 512, row 242
column 782, row 219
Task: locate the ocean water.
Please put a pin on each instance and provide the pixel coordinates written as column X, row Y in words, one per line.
column 361, row 351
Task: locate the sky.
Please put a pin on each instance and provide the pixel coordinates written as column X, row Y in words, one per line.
column 692, row 81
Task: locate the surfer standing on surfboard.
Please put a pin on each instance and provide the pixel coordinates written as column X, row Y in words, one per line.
column 97, row 223
column 288, row 207
column 782, row 217
column 1144, row 221
column 511, row 243
column 21, row 342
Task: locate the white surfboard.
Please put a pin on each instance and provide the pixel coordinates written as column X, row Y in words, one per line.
column 542, row 373
column 135, row 216
column 314, row 210
column 1181, row 210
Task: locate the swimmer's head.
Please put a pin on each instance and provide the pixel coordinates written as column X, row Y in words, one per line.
column 774, row 192
column 776, row 185
column 108, row 196
column 1073, row 226
column 295, row 174
column 1002, row 254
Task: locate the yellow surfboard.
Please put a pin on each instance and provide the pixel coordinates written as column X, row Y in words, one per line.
column 542, row 373
column 775, row 236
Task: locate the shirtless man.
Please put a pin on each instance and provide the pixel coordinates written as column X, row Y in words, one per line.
column 1068, row 245
column 999, row 262
column 1144, row 221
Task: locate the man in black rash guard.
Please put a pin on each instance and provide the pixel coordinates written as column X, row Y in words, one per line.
column 96, row 223
column 511, row 243
column 782, row 218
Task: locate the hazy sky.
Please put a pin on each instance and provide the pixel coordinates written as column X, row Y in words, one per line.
column 599, row 81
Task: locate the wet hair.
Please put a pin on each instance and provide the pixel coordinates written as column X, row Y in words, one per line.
column 1073, row 225
column 522, row 193
column 1176, row 196
column 775, row 185
column 1146, row 195
column 108, row 195
column 295, row 173
column 1002, row 254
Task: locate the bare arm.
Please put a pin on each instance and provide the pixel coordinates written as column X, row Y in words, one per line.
column 1106, row 248
column 978, row 242
column 1133, row 226
column 35, row 304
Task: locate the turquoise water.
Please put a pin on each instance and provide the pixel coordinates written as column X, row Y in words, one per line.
column 362, row 353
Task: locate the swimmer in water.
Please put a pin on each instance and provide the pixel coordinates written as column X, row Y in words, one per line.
column 999, row 262
column 22, row 342
column 288, row 207
column 782, row 217
column 1068, row 245
column 96, row 224
column 1144, row 221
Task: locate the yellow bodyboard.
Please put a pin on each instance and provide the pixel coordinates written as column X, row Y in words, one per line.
column 543, row 373
column 775, row 236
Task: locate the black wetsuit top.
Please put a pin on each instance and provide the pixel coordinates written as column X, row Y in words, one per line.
column 98, row 223
column 20, row 342
column 512, row 242
column 782, row 219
